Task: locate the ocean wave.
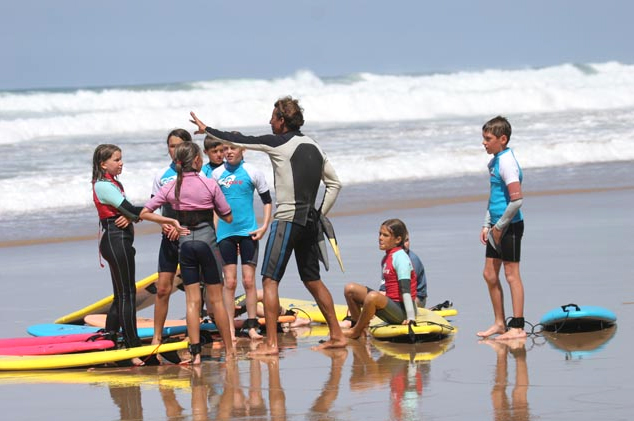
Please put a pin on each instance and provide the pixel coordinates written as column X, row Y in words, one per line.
column 362, row 97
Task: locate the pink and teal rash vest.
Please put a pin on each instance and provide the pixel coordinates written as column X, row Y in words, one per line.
column 397, row 265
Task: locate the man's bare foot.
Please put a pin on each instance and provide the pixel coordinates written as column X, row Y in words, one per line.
column 330, row 344
column 493, row 330
column 253, row 334
column 264, row 349
column 512, row 333
column 345, row 324
column 354, row 334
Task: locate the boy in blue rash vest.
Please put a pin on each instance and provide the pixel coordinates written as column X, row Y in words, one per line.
column 116, row 245
column 238, row 180
column 215, row 151
column 168, row 251
column 503, row 229
column 299, row 167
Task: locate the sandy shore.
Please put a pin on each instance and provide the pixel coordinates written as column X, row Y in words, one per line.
column 577, row 248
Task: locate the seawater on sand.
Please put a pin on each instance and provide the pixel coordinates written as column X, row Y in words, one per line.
column 577, row 248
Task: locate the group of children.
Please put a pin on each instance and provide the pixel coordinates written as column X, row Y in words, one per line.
column 208, row 220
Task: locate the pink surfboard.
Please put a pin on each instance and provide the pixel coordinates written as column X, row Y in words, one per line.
column 48, row 340
column 59, row 348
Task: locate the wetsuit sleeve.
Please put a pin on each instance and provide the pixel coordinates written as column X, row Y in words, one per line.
column 129, row 210
column 257, row 143
column 108, row 194
column 333, row 186
column 487, row 220
column 266, row 197
column 403, row 266
column 511, row 209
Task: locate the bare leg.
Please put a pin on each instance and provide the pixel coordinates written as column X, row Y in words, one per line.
column 372, row 302
column 161, row 304
column 492, row 278
column 324, row 300
column 271, row 310
column 512, row 275
column 230, row 272
column 248, row 281
column 214, row 298
column 192, row 295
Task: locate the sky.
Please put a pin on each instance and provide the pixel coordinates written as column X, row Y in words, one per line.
column 82, row 43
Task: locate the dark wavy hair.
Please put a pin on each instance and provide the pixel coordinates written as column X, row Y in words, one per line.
column 289, row 109
column 397, row 228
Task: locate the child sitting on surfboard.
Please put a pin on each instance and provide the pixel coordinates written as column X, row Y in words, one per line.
column 195, row 199
column 397, row 305
column 116, row 245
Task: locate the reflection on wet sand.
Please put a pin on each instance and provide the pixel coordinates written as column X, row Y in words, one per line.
column 582, row 344
column 405, row 367
column 517, row 408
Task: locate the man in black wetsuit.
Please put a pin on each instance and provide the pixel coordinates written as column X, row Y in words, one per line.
column 299, row 165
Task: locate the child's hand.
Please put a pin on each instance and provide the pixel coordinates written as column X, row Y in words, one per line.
column 122, row 222
column 483, row 235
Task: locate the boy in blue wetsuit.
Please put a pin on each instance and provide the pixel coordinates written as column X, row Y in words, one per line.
column 503, row 229
column 215, row 151
column 238, row 180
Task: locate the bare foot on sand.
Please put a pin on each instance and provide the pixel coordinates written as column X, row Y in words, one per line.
column 352, row 334
column 254, row 335
column 331, row 343
column 512, row 333
column 493, row 330
column 264, row 349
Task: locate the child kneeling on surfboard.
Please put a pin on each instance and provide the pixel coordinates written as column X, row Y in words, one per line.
column 397, row 305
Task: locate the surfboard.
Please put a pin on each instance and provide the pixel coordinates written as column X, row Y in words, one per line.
column 145, row 296
column 572, row 318
column 51, row 329
column 416, row 352
column 429, row 327
column 99, row 320
column 581, row 344
column 310, row 310
column 58, row 348
column 83, row 359
column 32, row 341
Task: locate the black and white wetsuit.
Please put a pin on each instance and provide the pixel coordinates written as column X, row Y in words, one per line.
column 299, row 166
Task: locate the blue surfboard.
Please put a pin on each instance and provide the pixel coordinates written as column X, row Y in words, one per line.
column 53, row 329
column 572, row 318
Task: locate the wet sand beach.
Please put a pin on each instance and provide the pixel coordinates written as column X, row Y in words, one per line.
column 577, row 248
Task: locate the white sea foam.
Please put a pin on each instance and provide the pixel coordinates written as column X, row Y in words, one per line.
column 374, row 127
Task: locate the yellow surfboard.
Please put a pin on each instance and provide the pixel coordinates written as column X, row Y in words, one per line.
column 429, row 326
column 144, row 299
column 83, row 359
column 310, row 310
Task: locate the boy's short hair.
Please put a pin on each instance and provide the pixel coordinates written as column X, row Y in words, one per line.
column 498, row 126
column 210, row 142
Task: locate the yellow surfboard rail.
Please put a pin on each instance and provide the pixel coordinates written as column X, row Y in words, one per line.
column 102, row 305
column 83, row 359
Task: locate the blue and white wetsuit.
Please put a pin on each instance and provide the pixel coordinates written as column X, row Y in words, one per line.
column 504, row 170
